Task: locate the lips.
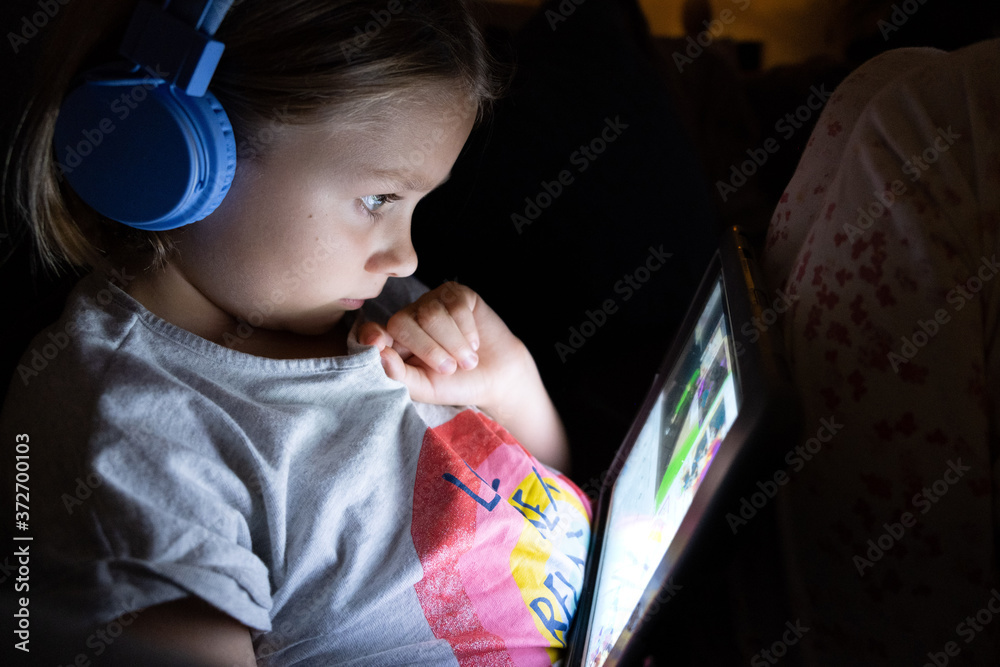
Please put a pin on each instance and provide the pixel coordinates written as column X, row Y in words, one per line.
column 352, row 303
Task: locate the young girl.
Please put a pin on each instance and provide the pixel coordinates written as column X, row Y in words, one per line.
column 243, row 443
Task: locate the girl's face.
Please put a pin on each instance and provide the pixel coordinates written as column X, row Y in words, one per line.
column 319, row 220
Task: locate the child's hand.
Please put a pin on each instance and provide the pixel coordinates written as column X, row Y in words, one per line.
column 450, row 348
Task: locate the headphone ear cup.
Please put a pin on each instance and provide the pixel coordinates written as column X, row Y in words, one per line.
column 225, row 137
column 144, row 153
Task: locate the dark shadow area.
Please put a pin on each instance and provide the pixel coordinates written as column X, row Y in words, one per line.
column 596, row 240
column 584, row 211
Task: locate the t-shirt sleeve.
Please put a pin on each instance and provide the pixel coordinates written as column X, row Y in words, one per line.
column 170, row 513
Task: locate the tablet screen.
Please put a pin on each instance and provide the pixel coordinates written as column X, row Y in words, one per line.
column 667, row 463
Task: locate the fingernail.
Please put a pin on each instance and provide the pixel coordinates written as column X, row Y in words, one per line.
column 469, row 360
column 447, row 366
column 474, row 343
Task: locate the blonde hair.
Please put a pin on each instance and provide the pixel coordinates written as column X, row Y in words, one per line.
column 289, row 62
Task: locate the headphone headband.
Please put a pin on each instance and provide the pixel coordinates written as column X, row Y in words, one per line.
column 175, row 41
column 205, row 15
column 153, row 152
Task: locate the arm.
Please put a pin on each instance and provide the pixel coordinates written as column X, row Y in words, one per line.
column 195, row 629
column 530, row 416
column 450, row 348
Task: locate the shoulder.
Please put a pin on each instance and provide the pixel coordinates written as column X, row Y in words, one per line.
column 146, row 487
column 93, row 322
column 97, row 385
column 99, row 350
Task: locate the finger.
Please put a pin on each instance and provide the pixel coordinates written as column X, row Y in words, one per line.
column 392, row 364
column 461, row 303
column 444, row 323
column 436, row 314
column 402, row 350
column 372, row 333
column 414, row 377
column 409, row 333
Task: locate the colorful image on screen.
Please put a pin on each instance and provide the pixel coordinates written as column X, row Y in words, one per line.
column 658, row 482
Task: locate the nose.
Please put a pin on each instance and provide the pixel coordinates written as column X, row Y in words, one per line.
column 398, row 259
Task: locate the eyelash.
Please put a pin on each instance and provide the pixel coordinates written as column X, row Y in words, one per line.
column 386, row 199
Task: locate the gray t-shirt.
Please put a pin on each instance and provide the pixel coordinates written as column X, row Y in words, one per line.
column 310, row 499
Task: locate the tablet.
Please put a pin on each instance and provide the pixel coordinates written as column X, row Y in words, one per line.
column 721, row 387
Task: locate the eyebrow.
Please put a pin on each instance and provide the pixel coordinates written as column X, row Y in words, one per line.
column 405, row 182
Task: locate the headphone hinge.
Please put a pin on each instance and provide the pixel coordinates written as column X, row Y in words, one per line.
column 171, row 49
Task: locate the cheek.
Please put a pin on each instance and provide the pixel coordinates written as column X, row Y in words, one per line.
column 272, row 201
column 264, row 260
column 323, row 264
column 279, row 237
column 275, row 229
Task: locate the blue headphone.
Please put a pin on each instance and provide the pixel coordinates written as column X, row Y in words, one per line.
column 150, row 146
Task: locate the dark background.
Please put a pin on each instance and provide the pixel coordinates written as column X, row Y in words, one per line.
column 655, row 185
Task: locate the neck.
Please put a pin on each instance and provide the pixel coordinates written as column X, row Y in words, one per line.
column 170, row 296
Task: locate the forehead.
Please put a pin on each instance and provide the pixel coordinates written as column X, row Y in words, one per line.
column 412, row 147
column 410, row 144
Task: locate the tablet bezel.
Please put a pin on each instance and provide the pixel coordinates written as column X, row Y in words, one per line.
column 764, row 388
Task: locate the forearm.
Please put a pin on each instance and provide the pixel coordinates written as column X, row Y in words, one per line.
column 531, row 417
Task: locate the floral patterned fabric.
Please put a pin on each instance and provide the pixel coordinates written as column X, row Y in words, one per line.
column 888, row 236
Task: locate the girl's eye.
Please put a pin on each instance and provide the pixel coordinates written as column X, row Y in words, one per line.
column 373, row 203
